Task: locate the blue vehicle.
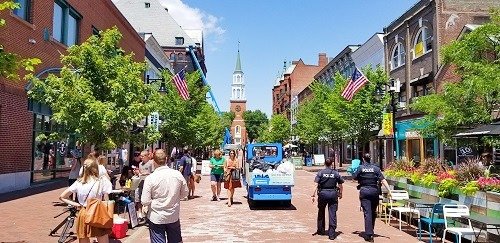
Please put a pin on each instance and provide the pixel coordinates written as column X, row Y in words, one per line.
column 266, row 176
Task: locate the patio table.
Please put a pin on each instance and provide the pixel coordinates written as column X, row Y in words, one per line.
column 485, row 223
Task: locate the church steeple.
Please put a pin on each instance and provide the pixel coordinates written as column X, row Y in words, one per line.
column 238, row 63
column 238, row 84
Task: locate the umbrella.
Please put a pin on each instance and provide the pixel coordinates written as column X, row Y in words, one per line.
column 289, row 146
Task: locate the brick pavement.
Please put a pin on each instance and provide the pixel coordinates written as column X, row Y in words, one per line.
column 29, row 219
column 203, row 220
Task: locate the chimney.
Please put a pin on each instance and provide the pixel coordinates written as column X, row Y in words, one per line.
column 322, row 59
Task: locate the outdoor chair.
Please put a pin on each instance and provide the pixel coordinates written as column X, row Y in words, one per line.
column 452, row 212
column 435, row 219
column 354, row 166
column 401, row 196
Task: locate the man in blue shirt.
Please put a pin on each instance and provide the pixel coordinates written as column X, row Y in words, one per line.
column 185, row 166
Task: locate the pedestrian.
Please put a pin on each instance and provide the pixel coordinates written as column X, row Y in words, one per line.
column 185, row 166
column 329, row 190
column 368, row 177
column 137, row 159
column 74, row 172
column 144, row 169
column 162, row 192
column 87, row 187
column 122, row 156
column 216, row 174
column 231, row 176
column 101, row 161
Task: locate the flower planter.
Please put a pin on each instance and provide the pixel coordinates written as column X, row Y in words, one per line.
column 485, row 203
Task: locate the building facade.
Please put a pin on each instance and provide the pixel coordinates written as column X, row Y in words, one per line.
column 412, row 46
column 238, row 104
column 151, row 17
column 44, row 29
column 295, row 78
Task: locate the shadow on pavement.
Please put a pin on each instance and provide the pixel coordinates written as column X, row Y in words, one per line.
column 270, row 205
column 362, row 233
column 34, row 189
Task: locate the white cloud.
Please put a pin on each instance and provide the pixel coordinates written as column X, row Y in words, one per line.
column 194, row 18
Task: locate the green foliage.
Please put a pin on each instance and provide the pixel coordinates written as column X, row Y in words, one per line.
column 428, row 179
column 327, row 115
column 472, row 100
column 415, row 177
column 11, row 63
column 446, row 187
column 278, row 129
column 100, row 92
column 255, row 123
column 227, row 118
column 191, row 122
column 470, row 188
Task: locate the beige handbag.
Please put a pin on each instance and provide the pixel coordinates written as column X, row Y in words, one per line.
column 99, row 213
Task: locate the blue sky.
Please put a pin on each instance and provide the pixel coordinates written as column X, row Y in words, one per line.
column 271, row 31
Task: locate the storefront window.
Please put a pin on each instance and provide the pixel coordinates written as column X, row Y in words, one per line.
column 429, row 147
column 51, row 158
column 402, row 148
column 415, row 150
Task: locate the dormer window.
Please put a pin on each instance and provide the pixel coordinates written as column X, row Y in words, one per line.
column 179, row 41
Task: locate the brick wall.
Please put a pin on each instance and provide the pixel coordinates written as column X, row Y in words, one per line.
column 15, row 120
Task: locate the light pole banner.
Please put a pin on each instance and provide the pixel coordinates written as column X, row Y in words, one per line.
column 387, row 124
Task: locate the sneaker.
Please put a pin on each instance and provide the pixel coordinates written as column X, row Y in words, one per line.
column 214, row 198
column 369, row 238
column 218, row 199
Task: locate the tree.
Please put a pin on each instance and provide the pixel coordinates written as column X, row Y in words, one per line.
column 473, row 99
column 207, row 128
column 278, row 129
column 100, row 93
column 255, row 122
column 227, row 118
column 11, row 63
column 177, row 113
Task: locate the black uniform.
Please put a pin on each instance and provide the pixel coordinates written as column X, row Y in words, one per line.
column 327, row 180
column 369, row 176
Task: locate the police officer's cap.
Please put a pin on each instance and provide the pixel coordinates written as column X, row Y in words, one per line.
column 367, row 157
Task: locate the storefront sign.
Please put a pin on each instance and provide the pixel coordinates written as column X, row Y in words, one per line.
column 412, row 134
column 387, row 124
column 154, row 120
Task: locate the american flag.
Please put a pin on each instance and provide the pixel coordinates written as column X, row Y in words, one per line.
column 357, row 81
column 180, row 82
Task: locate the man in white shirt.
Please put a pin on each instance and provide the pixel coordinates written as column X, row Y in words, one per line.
column 163, row 189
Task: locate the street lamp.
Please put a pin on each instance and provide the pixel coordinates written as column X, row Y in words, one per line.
column 394, row 87
column 162, row 89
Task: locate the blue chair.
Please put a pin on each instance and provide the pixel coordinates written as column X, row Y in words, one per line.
column 435, row 218
column 354, row 166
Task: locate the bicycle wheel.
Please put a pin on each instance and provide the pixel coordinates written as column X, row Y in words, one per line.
column 67, row 227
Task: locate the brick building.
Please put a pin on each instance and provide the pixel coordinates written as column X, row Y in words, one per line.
column 151, row 17
column 295, row 78
column 44, row 29
column 412, row 46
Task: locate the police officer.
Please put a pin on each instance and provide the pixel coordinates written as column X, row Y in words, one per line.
column 368, row 177
column 329, row 190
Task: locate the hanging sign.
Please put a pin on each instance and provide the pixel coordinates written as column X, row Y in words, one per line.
column 387, row 124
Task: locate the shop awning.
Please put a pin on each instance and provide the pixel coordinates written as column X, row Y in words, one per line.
column 492, row 129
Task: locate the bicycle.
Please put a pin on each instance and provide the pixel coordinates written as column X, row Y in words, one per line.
column 67, row 223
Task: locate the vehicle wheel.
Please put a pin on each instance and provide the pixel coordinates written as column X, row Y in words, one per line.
column 251, row 203
column 65, row 232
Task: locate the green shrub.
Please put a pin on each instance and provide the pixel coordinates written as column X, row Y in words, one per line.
column 446, row 187
column 470, row 188
column 469, row 170
column 428, row 179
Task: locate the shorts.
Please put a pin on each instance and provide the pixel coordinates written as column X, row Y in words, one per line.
column 216, row 177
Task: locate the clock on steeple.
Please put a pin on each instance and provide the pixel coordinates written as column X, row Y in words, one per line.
column 238, row 104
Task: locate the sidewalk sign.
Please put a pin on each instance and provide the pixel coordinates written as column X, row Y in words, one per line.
column 297, row 162
column 205, row 169
column 319, row 159
column 132, row 214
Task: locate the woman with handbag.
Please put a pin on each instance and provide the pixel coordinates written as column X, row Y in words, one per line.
column 231, row 176
column 89, row 188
